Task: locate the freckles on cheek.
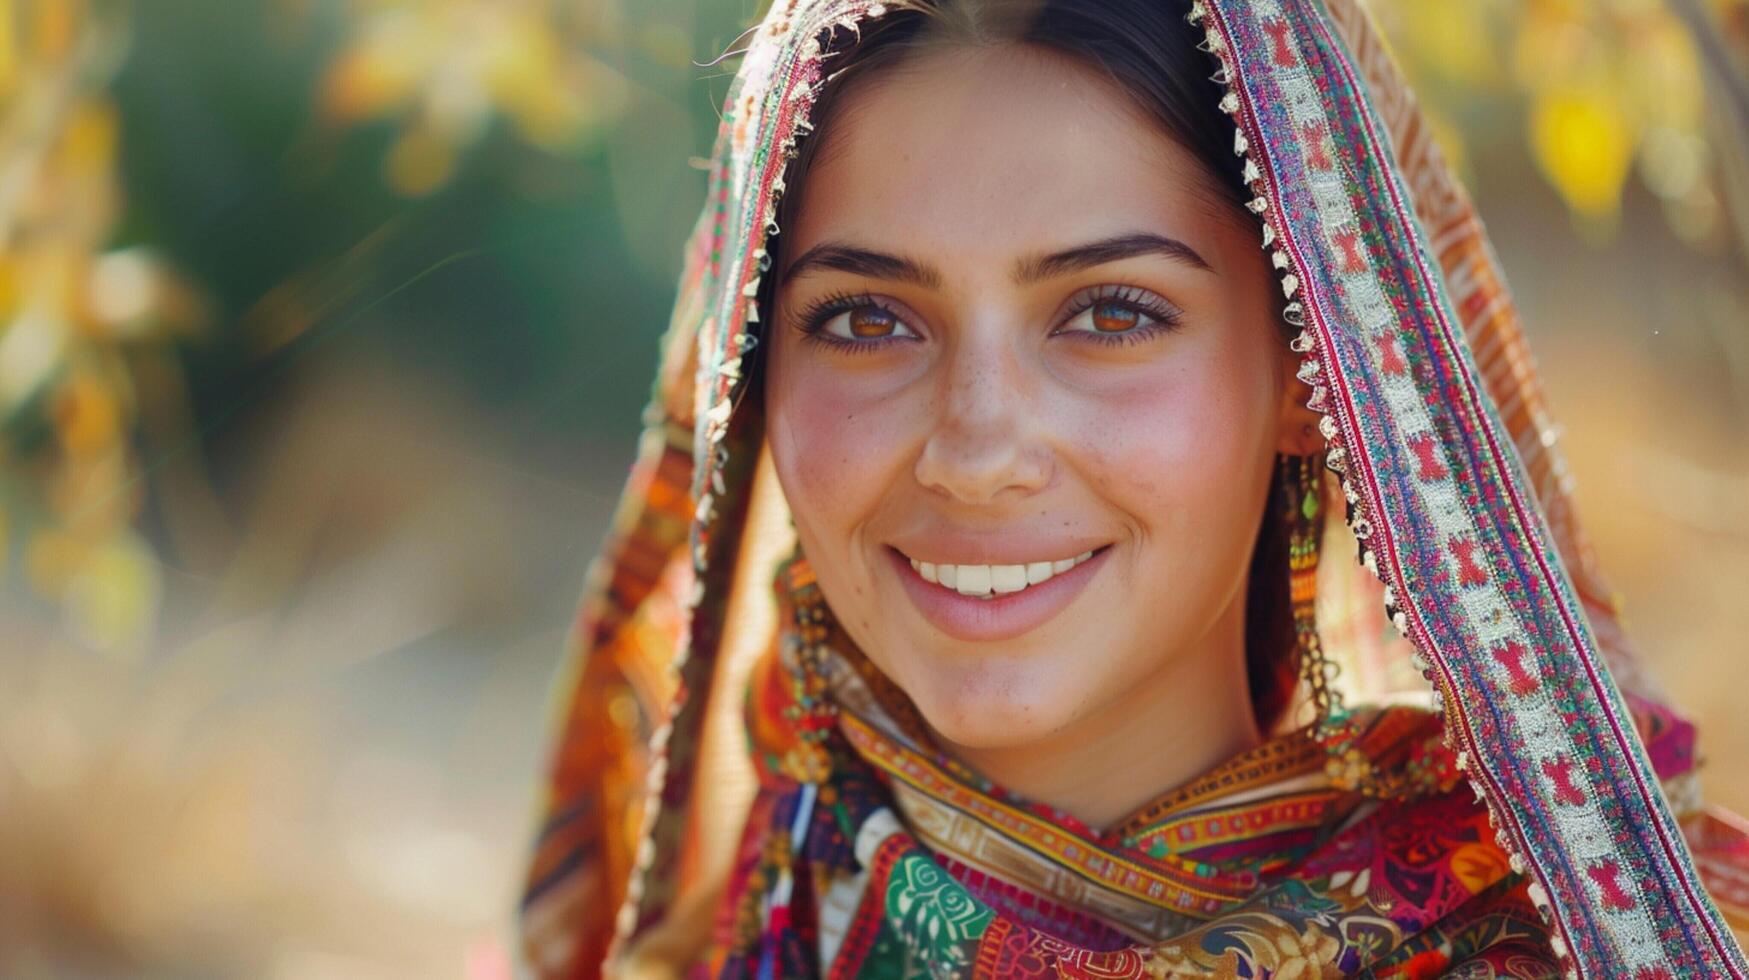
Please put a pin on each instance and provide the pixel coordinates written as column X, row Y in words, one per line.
column 1158, row 449
column 1135, row 441
column 840, row 443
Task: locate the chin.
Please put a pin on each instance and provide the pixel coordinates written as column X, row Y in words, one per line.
column 995, row 706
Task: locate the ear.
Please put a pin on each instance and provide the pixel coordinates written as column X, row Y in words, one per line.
column 1296, row 425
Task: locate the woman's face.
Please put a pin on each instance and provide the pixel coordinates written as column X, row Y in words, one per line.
column 1016, row 325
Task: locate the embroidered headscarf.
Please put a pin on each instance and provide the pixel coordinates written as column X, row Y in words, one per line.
column 1435, row 421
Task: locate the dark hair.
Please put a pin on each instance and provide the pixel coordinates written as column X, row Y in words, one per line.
column 1150, row 51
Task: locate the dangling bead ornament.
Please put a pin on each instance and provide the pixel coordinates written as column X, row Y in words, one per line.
column 811, row 708
column 1302, row 484
column 1303, row 491
column 765, row 913
column 1348, row 766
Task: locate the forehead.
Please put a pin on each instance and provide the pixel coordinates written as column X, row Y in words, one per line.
column 997, row 150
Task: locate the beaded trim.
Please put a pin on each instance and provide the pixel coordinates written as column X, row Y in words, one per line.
column 756, row 176
column 1634, row 940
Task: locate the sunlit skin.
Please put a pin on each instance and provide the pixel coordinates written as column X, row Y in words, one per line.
column 1039, row 331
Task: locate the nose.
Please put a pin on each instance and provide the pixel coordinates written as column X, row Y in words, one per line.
column 985, row 440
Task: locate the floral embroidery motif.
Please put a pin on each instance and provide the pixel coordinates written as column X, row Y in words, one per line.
column 933, row 914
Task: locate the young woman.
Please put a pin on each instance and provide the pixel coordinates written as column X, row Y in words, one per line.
column 1018, row 350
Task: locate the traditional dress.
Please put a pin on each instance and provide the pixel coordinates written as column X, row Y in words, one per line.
column 1306, row 856
column 1533, row 812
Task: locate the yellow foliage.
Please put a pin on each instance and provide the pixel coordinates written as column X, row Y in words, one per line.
column 112, row 600
column 65, row 307
column 92, row 131
column 1601, row 83
column 419, row 162
column 57, row 28
column 381, row 70
column 87, row 416
column 446, row 67
column 1584, row 143
column 1661, row 75
column 1452, row 39
column 51, row 559
column 9, row 67
column 10, row 286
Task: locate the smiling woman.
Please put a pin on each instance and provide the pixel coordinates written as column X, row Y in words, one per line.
column 979, row 311
column 1027, row 378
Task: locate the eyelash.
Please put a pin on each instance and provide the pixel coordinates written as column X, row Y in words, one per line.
column 1164, row 315
column 811, row 321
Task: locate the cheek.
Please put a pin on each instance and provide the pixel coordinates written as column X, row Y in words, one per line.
column 1185, row 450
column 835, row 445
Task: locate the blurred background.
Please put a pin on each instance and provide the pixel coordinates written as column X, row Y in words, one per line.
column 324, row 330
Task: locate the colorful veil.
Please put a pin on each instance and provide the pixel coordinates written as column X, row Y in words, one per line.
column 1459, row 512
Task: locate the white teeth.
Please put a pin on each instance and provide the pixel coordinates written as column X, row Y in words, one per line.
column 1007, row 578
column 973, row 580
column 987, row 581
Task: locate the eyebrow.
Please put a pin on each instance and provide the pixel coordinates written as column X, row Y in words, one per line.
column 1108, row 250
column 884, row 265
column 863, row 262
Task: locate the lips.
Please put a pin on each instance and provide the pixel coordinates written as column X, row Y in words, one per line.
column 990, row 614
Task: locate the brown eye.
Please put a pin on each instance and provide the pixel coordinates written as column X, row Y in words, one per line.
column 862, row 321
column 868, row 322
column 1120, row 314
column 1113, row 317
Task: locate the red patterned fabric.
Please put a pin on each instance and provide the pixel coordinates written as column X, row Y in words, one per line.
column 1273, row 864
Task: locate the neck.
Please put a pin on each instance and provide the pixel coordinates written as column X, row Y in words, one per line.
column 1186, row 718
